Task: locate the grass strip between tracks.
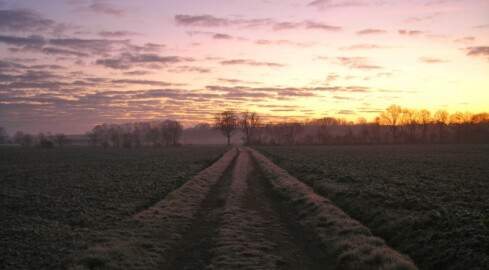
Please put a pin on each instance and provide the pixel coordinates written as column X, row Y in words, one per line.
column 145, row 240
column 347, row 240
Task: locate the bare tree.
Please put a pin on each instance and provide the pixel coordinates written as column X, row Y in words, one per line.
column 289, row 131
column 442, row 119
column 3, row 135
column 60, row 139
column 249, row 122
column 424, row 120
column 227, row 123
column 44, row 141
column 364, row 134
column 460, row 122
column 171, row 132
column 392, row 117
column 409, row 118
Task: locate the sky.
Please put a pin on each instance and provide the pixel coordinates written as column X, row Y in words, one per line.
column 67, row 65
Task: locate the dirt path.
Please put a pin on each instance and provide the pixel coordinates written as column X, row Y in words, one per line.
column 242, row 224
column 242, row 212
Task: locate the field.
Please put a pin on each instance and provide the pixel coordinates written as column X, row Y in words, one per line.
column 55, row 201
column 429, row 202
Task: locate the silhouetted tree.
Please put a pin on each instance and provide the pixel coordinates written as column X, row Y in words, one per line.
column 392, row 117
column 249, row 123
column 60, row 139
column 3, row 135
column 44, row 141
column 409, row 118
column 364, row 133
column 227, row 123
column 441, row 119
column 289, row 131
column 424, row 120
column 171, row 132
column 460, row 122
column 23, row 139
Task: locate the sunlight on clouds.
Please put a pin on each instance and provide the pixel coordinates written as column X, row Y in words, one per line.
column 102, row 61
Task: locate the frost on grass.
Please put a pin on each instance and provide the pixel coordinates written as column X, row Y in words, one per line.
column 351, row 244
column 144, row 241
column 241, row 243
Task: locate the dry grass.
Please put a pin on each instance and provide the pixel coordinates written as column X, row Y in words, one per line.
column 143, row 241
column 241, row 243
column 345, row 239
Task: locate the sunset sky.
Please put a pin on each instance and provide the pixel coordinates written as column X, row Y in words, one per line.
column 66, row 65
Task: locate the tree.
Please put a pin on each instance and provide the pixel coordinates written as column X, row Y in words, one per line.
column 460, row 122
column 60, row 139
column 442, row 119
column 289, row 131
column 424, row 120
column 3, row 135
column 44, row 141
column 409, row 118
column 249, row 122
column 227, row 123
column 171, row 132
column 392, row 117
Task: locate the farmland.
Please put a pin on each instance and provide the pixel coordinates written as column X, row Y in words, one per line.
column 56, row 201
column 429, row 202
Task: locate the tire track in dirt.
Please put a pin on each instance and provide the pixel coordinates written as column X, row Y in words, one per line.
column 253, row 229
column 194, row 251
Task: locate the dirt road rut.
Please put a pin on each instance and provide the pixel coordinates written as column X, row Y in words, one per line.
column 243, row 225
column 243, row 212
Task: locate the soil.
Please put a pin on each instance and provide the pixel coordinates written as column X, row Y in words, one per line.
column 243, row 224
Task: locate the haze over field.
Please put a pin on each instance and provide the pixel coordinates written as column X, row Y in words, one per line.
column 66, row 65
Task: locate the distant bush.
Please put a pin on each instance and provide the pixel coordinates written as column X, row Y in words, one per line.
column 46, row 144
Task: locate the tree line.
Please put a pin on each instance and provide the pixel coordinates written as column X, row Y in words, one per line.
column 155, row 133
column 395, row 125
column 47, row 140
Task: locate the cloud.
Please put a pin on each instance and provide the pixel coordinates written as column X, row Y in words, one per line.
column 102, row 7
column 481, row 26
column 214, row 35
column 128, row 60
column 424, row 18
column 117, row 34
column 431, row 60
column 235, row 81
column 137, row 73
column 329, row 4
column 284, row 42
column 75, row 46
column 465, row 40
column 189, row 69
column 10, row 66
column 410, row 32
column 362, row 47
column 321, row 26
column 304, row 25
column 212, row 21
column 370, row 31
column 478, row 51
column 95, row 46
column 51, row 50
column 145, row 82
column 221, row 36
column 204, row 20
column 249, row 63
column 28, row 42
column 361, row 63
column 24, row 20
column 438, row 2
